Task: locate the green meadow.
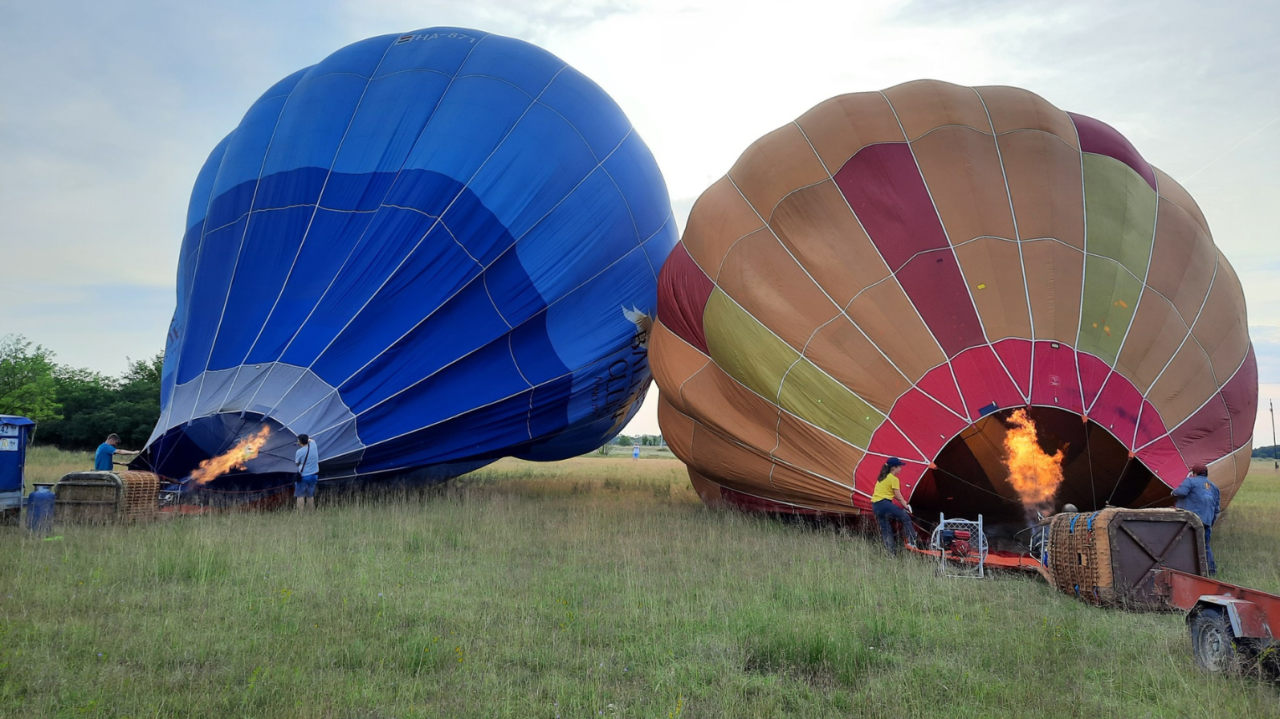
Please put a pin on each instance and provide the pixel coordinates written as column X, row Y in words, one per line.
column 593, row 587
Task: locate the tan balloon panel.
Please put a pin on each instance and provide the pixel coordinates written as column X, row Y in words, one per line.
column 708, row 491
column 839, row 127
column 761, row 276
column 1155, row 335
column 1184, row 385
column 1223, row 327
column 961, row 168
column 1178, row 195
column 775, row 166
column 1045, row 185
column 817, row 226
column 993, row 270
column 730, row 409
column 884, row 312
column 730, row 463
column 677, row 429
column 1229, row 472
column 1183, row 260
column 1012, row 109
column 924, row 105
column 804, row 488
column 803, row 445
column 673, row 362
column 841, row 350
column 1055, row 273
column 719, row 218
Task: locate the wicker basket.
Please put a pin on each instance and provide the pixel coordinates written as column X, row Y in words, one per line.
column 106, row 497
column 141, row 496
column 1109, row 557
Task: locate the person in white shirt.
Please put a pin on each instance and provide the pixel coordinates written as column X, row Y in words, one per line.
column 308, row 460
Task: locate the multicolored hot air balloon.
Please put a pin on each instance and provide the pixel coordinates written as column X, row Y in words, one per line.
column 895, row 273
column 427, row 251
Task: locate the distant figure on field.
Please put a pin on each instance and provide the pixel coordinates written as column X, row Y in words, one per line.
column 888, row 491
column 308, row 460
column 635, row 452
column 1198, row 495
column 106, row 450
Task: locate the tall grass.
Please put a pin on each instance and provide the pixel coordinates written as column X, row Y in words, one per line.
column 592, row 587
column 46, row 465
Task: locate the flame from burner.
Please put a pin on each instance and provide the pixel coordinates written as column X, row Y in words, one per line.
column 235, row 458
column 1034, row 474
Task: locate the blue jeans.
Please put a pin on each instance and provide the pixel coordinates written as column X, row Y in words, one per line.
column 886, row 511
column 306, row 487
column 1208, row 551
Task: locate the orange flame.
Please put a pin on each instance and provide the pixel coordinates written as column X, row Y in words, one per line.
column 235, row 458
column 1034, row 474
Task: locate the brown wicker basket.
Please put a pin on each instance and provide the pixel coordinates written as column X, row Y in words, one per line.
column 102, row 497
column 141, row 496
column 1109, row 557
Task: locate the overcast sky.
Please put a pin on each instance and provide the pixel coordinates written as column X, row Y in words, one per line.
column 108, row 110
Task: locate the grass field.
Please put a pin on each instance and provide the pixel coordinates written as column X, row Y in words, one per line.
column 593, row 587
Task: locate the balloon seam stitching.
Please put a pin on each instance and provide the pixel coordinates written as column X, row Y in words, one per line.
column 423, row 238
column 762, row 397
column 364, row 231
column 959, row 268
column 204, row 235
column 1013, row 216
column 1212, row 397
column 337, row 388
column 244, row 235
column 879, row 254
column 757, row 452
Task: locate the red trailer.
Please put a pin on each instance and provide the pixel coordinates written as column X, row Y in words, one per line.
column 1232, row 627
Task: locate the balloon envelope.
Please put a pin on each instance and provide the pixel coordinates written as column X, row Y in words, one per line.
column 896, row 272
column 427, row 251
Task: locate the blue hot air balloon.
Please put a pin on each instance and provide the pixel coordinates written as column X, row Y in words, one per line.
column 427, row 251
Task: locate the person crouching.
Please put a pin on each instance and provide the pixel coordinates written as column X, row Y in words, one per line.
column 887, row 492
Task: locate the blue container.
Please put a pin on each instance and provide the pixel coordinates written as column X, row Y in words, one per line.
column 15, row 434
column 40, row 509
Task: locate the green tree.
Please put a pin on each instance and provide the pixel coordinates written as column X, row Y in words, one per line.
column 137, row 401
column 27, row 384
column 86, row 397
column 95, row 405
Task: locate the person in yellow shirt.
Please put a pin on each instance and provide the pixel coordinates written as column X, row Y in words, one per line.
column 887, row 492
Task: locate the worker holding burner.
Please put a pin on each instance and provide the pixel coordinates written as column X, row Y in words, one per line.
column 1199, row 496
column 883, row 498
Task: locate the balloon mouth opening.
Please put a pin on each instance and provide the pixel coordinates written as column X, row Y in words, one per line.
column 974, row 473
column 227, row 451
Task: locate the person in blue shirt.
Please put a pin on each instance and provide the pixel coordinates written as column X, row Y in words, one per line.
column 308, row 460
column 106, row 451
column 1198, row 495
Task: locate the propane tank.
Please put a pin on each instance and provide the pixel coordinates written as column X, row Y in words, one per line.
column 40, row 509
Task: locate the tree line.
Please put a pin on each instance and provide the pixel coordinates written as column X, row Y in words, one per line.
column 644, row 440
column 73, row 407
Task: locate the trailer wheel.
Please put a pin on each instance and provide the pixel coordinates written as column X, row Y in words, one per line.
column 1213, row 642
